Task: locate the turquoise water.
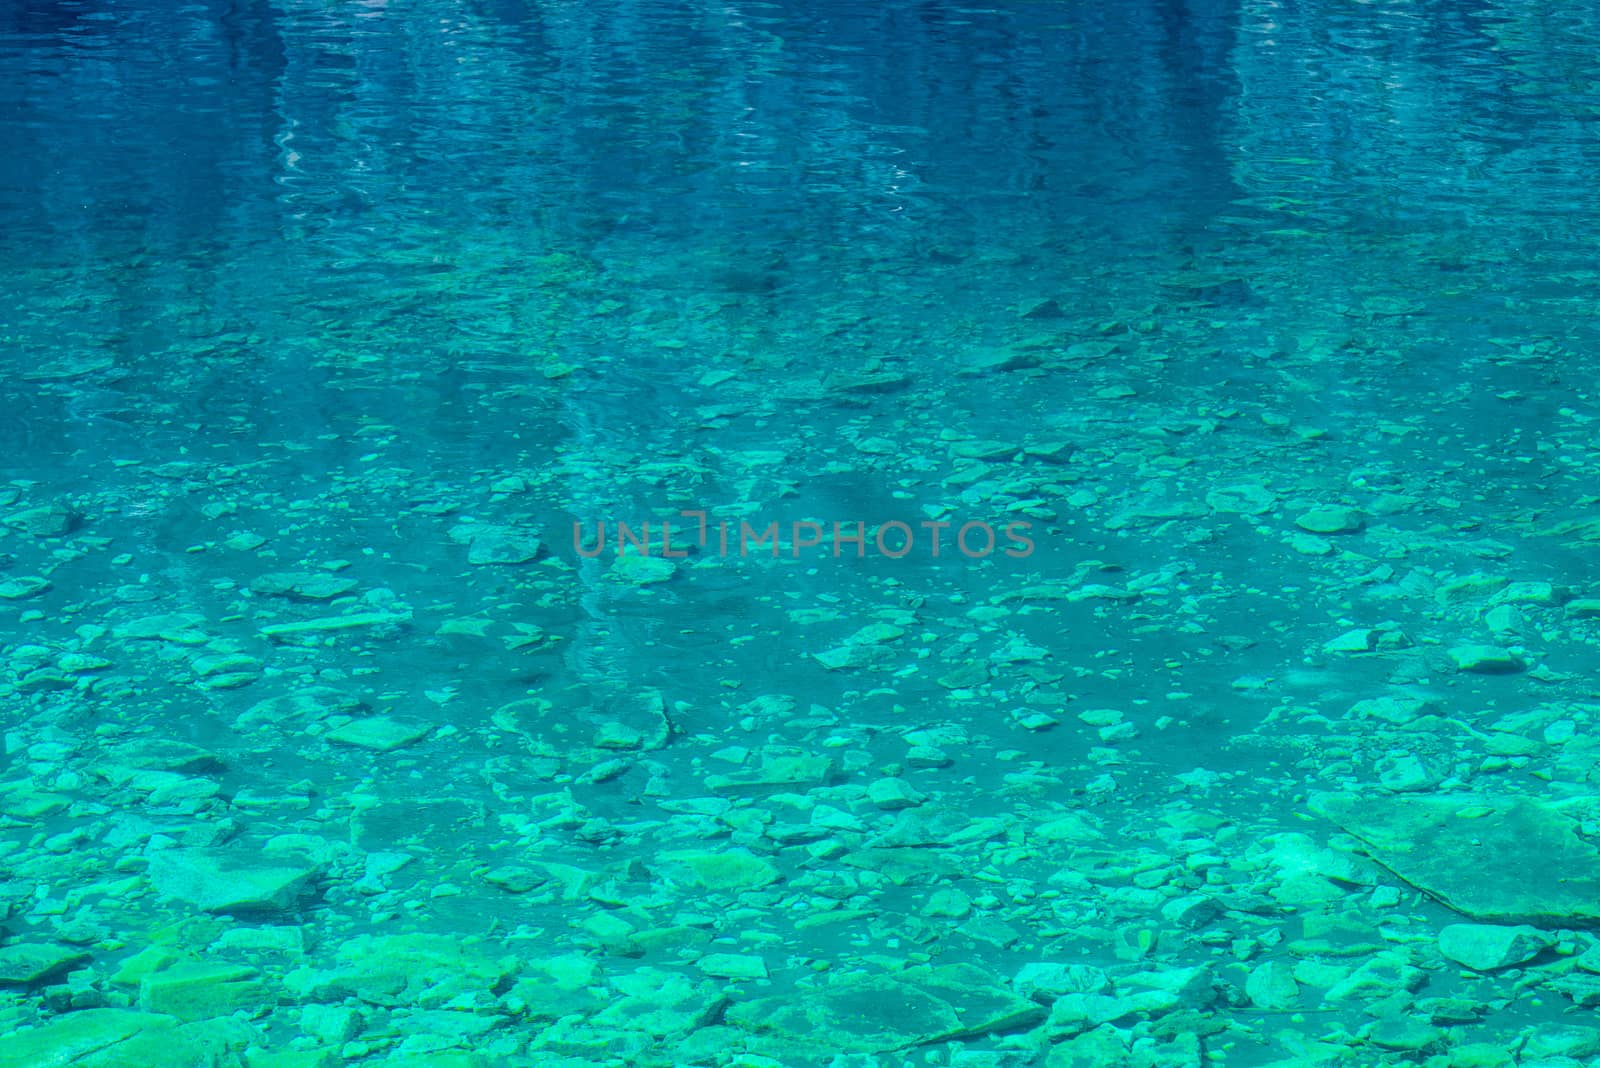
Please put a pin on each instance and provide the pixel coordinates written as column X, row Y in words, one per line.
column 1130, row 592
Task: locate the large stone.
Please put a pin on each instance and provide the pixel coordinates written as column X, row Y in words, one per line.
column 732, row 870
column 592, row 726
column 287, row 710
column 1488, row 947
column 741, row 966
column 1486, row 659
column 1554, row 1040
column 227, row 880
column 66, row 1039
column 1244, row 498
column 45, row 521
column 302, row 585
column 878, row 1014
column 35, row 962
column 164, row 754
column 1333, row 520
column 400, row 969
column 1272, row 986
column 156, row 1045
column 378, row 733
column 636, row 570
column 490, row 544
column 22, row 587
column 778, row 767
column 180, row 628
column 195, row 990
column 327, row 624
column 1495, row 859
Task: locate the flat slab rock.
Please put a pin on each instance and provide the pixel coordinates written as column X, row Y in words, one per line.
column 303, row 585
column 121, row 1038
column 1494, row 858
column 380, row 734
column 490, row 544
column 878, row 1014
column 1487, row 947
column 403, row 969
column 229, row 880
column 26, row 963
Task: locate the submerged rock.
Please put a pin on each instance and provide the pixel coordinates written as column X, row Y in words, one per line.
column 732, row 870
column 302, row 585
column 195, row 990
column 1486, row 660
column 1245, row 498
column 44, row 521
column 75, row 1035
column 400, row 969
column 1497, row 859
column 1331, row 521
column 380, row 734
column 22, row 587
column 27, row 963
column 1489, row 947
column 490, row 544
column 879, row 1014
column 230, row 880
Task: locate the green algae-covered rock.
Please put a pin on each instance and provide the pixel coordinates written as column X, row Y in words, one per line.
column 195, row 990
column 191, row 1045
column 1496, row 859
column 147, row 961
column 66, row 1039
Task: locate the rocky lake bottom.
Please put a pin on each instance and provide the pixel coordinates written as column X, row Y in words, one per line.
column 508, row 561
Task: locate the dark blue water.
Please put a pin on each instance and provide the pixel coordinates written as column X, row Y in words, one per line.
column 1260, row 334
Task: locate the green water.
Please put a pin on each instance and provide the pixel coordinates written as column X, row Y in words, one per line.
column 1133, row 504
